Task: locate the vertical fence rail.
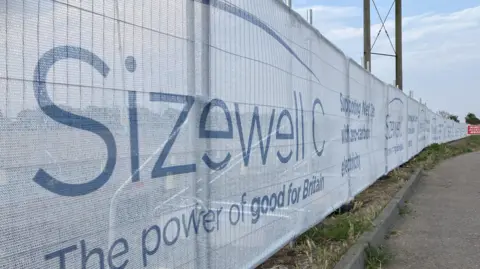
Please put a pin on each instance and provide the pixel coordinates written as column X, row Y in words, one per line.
column 206, row 38
column 191, row 86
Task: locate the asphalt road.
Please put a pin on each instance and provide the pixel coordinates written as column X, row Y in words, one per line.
column 441, row 228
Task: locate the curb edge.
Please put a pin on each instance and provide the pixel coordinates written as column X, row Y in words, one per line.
column 354, row 258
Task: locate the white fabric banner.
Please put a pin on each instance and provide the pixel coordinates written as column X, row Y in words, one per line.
column 183, row 133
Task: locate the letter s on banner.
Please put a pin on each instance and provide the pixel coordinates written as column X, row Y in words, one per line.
column 42, row 178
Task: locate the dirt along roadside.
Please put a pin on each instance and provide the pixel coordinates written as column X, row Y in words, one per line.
column 322, row 246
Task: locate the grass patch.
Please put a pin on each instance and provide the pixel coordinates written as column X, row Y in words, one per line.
column 392, row 233
column 377, row 257
column 322, row 246
column 404, row 210
column 341, row 228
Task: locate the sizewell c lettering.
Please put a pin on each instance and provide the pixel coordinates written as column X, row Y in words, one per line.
column 295, row 127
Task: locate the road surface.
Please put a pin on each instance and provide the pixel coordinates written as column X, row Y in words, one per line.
column 441, row 226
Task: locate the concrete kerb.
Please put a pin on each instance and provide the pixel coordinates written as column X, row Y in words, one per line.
column 355, row 256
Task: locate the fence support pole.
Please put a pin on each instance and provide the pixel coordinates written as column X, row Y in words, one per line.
column 202, row 181
column 191, row 62
column 291, row 244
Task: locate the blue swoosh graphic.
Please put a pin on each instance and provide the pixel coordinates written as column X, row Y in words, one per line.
column 396, row 99
column 243, row 14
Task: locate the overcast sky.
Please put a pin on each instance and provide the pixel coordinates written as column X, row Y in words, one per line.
column 441, row 41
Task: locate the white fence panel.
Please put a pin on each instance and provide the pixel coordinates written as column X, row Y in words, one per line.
column 183, row 133
column 412, row 127
column 396, row 122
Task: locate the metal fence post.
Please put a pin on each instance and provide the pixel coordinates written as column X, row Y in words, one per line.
column 205, row 94
column 190, row 15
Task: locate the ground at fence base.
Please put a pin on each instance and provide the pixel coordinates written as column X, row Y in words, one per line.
column 356, row 258
column 324, row 245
